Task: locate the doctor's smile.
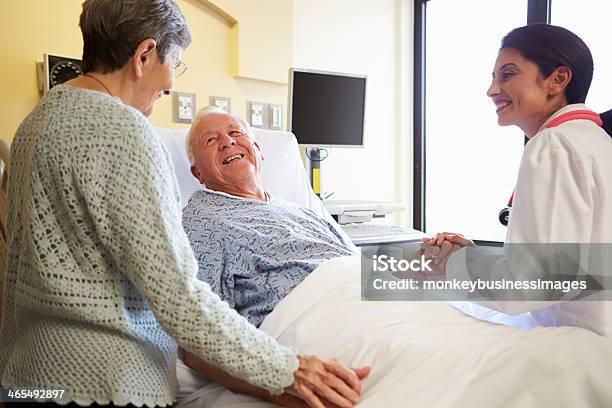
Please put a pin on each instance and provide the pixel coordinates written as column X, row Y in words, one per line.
column 501, row 104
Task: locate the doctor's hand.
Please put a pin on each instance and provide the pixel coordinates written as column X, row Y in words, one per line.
column 321, row 383
column 451, row 237
column 440, row 248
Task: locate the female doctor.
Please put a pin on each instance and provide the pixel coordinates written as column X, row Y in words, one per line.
column 564, row 187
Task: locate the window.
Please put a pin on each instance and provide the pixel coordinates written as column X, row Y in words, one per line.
column 471, row 162
column 465, row 164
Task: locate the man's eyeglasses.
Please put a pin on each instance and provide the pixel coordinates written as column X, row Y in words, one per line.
column 179, row 67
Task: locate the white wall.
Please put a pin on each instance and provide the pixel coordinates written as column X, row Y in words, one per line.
column 372, row 38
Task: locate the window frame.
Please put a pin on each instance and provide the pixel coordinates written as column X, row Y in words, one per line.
column 538, row 11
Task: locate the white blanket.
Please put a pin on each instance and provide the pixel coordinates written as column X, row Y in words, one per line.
column 429, row 354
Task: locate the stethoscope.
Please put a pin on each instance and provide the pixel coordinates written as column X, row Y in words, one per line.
column 504, row 215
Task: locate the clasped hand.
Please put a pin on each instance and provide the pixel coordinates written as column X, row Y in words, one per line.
column 320, row 383
column 439, row 248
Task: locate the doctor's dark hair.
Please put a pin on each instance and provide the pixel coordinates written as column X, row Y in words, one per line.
column 112, row 30
column 606, row 118
column 550, row 47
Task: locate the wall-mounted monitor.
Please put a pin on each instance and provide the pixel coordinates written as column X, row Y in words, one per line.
column 326, row 109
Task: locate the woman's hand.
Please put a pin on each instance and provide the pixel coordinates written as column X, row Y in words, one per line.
column 319, row 382
column 293, row 400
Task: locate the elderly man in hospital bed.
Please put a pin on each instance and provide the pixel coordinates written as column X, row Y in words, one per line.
column 252, row 248
column 284, row 269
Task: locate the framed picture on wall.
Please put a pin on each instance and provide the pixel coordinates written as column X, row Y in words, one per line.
column 222, row 102
column 275, row 116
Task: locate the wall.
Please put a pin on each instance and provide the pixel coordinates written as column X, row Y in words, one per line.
column 372, row 38
column 212, row 56
column 263, row 39
column 222, row 46
column 242, row 49
column 28, row 29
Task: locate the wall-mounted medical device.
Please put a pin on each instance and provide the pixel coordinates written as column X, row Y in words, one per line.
column 56, row 69
column 326, row 109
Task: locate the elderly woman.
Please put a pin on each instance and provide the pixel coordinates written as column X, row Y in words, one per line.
column 101, row 278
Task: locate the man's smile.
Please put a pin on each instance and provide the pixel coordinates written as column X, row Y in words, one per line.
column 233, row 157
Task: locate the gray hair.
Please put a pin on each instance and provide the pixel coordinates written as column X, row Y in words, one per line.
column 202, row 113
column 112, row 30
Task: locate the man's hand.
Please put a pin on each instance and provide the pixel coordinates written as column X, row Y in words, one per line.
column 440, row 248
column 286, row 400
column 319, row 382
column 449, row 236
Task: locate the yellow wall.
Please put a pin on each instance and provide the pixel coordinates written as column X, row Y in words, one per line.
column 27, row 29
column 264, row 36
column 210, row 57
column 220, row 49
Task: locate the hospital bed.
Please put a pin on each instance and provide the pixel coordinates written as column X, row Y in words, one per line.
column 422, row 354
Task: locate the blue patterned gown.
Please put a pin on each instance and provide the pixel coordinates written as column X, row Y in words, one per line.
column 253, row 253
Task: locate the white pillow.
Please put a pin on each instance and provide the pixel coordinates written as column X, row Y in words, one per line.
column 282, row 171
column 174, row 140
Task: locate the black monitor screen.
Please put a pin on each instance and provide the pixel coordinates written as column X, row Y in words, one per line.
column 327, row 109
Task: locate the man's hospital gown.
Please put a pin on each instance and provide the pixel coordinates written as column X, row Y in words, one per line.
column 253, row 253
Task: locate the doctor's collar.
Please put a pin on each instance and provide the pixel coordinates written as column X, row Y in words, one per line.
column 567, row 108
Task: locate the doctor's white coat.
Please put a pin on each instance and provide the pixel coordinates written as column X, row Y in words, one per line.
column 563, row 195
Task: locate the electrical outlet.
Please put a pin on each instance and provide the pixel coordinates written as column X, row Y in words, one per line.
column 257, row 114
column 221, row 102
column 276, row 117
column 184, row 105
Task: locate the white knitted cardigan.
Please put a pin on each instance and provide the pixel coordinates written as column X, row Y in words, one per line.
column 101, row 276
